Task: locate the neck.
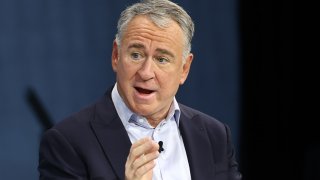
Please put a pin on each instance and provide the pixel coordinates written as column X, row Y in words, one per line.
column 154, row 123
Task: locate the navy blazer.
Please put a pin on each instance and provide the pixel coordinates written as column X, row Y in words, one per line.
column 93, row 144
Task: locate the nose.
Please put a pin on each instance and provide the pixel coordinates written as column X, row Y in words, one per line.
column 146, row 71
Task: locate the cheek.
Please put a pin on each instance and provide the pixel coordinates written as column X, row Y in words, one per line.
column 126, row 70
column 169, row 82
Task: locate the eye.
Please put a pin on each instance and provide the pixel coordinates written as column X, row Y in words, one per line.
column 136, row 56
column 162, row 60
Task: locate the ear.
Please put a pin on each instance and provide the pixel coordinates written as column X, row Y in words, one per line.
column 186, row 68
column 115, row 56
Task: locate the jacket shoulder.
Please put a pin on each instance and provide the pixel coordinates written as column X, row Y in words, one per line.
column 192, row 113
column 80, row 120
column 83, row 116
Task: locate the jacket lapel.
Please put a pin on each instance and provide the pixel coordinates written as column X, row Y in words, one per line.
column 116, row 144
column 197, row 146
column 111, row 134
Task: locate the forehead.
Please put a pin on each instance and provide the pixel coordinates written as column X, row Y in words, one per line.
column 141, row 28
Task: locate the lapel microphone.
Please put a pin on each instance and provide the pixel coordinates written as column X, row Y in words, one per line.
column 160, row 146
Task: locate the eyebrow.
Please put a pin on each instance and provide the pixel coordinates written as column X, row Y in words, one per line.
column 137, row 46
column 164, row 51
column 160, row 50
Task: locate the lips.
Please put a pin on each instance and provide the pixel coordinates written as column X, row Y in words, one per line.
column 143, row 91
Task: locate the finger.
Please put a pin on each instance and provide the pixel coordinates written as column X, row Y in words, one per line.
column 142, row 146
column 144, row 170
column 154, row 147
column 141, row 156
column 136, row 149
column 141, row 141
column 144, row 159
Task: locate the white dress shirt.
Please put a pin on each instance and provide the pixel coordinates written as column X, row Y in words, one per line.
column 172, row 164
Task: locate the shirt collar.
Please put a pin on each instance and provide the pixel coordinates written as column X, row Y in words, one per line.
column 125, row 113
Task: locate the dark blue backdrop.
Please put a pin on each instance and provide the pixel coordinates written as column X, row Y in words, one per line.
column 62, row 49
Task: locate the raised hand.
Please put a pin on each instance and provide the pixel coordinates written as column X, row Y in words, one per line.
column 141, row 159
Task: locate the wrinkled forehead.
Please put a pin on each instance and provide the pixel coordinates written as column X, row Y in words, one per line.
column 142, row 28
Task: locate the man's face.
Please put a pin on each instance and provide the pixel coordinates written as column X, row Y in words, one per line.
column 149, row 66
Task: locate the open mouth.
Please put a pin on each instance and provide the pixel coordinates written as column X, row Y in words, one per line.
column 143, row 91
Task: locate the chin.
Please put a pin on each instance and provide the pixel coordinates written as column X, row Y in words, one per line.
column 143, row 110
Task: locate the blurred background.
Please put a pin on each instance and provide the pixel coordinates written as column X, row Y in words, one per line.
column 55, row 60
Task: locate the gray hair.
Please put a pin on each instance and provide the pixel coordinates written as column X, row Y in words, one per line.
column 159, row 12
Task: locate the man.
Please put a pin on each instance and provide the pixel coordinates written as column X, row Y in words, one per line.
column 118, row 137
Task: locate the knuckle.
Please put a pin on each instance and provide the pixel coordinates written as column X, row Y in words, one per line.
column 134, row 153
column 138, row 173
column 133, row 165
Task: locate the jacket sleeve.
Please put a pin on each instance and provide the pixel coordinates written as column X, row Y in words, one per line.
column 233, row 173
column 58, row 159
